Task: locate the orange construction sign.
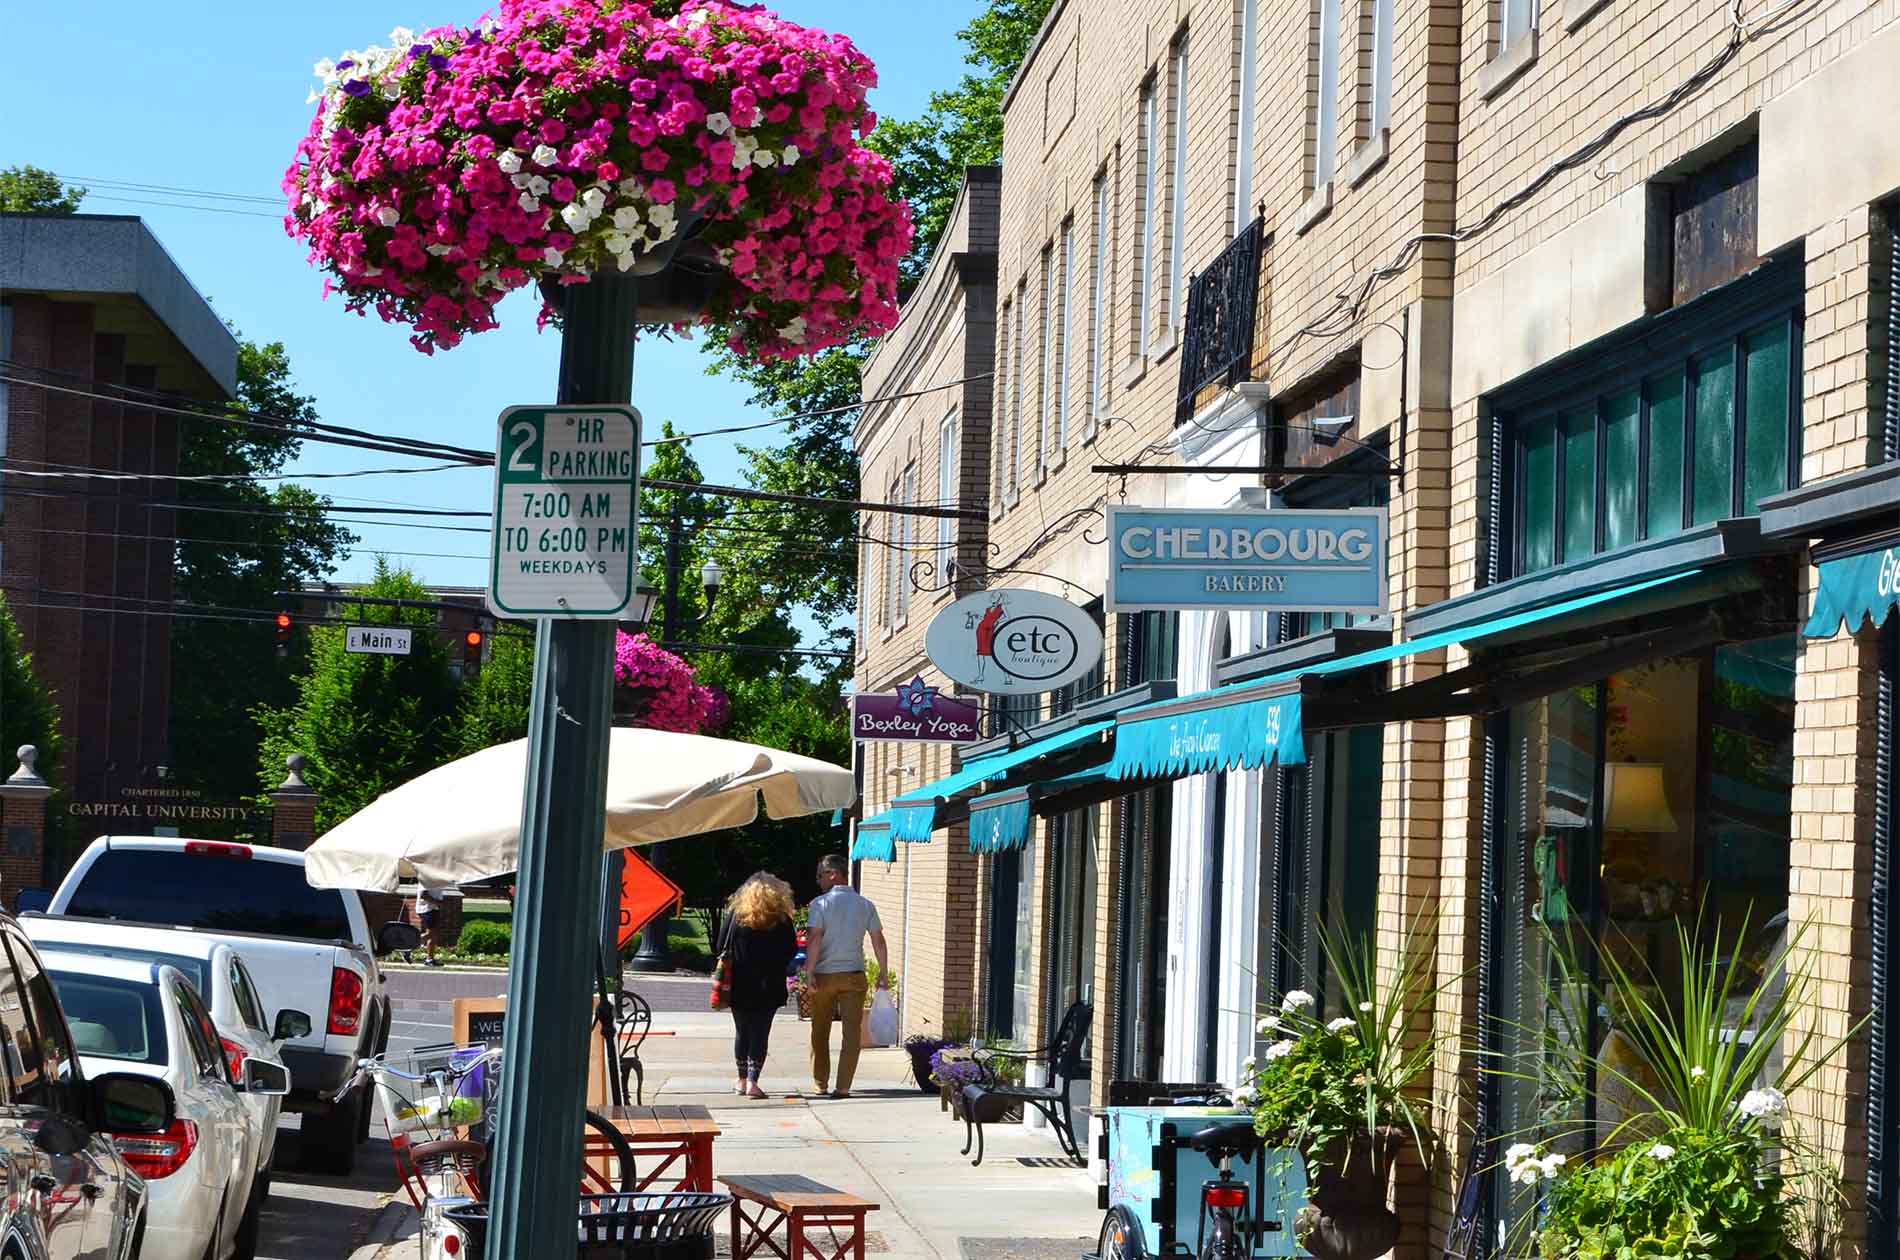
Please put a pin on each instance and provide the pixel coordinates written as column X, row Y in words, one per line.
column 645, row 895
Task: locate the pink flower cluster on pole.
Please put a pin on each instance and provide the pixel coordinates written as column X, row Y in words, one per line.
column 563, row 137
column 670, row 698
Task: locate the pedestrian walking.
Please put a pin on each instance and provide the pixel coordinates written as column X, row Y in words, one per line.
column 837, row 923
column 758, row 941
column 428, row 906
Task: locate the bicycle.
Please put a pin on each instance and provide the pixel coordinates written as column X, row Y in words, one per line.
column 431, row 1098
column 1232, row 1237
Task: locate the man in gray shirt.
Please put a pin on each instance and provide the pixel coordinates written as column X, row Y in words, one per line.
column 838, row 921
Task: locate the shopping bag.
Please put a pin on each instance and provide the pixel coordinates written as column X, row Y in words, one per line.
column 882, row 1023
column 721, row 993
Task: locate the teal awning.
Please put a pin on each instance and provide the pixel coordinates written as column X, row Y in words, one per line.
column 1854, row 589
column 914, row 813
column 873, row 842
column 999, row 821
column 1246, row 725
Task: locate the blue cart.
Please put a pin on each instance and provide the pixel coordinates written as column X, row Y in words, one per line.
column 1152, row 1196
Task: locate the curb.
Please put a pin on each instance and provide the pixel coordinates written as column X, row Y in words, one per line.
column 383, row 1230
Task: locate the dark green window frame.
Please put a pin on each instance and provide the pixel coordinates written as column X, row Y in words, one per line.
column 1615, row 445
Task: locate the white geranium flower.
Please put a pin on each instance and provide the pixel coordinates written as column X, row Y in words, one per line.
column 1341, row 1024
column 718, row 124
column 509, row 161
column 1297, row 1000
column 1763, row 1104
column 1279, row 1049
column 1662, row 1150
column 1366, row 1007
column 544, row 155
column 1554, row 1164
column 576, row 217
column 553, row 256
column 389, row 216
column 1518, row 1153
column 1267, row 1024
column 789, row 155
column 1246, row 1096
column 1246, row 1064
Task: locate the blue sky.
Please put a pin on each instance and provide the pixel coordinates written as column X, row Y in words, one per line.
column 211, row 97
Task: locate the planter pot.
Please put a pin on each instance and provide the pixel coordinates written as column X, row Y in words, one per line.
column 1347, row 1218
column 920, row 1053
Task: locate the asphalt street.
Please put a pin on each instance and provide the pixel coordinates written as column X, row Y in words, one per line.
column 325, row 1218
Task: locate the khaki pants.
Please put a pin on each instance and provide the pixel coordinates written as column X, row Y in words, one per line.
column 836, row 995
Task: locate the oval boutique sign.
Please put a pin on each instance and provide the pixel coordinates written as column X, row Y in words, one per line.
column 1014, row 641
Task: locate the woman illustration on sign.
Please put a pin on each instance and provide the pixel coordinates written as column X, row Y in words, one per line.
column 986, row 632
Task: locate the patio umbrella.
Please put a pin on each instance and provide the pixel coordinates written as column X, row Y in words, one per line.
column 462, row 822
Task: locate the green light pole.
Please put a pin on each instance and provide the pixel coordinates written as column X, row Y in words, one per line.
column 535, row 1192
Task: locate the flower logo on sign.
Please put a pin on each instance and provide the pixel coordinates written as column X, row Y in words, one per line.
column 916, row 696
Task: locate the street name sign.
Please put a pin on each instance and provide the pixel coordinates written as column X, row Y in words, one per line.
column 567, row 495
column 1286, row 559
column 381, row 640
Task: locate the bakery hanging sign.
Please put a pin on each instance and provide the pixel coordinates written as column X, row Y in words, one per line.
column 1283, row 559
column 1014, row 642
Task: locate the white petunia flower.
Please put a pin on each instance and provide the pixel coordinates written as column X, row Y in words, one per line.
column 595, row 200
column 576, row 217
column 388, row 216
column 1662, row 1150
column 764, row 158
column 1341, row 1024
column 538, row 185
column 1267, row 1024
column 1279, row 1049
column 1297, row 1000
column 553, row 256
column 440, row 250
column 631, row 187
column 401, row 38
column 313, row 98
column 1763, row 1104
column 325, row 70
column 521, row 179
column 544, row 155
column 789, row 155
column 527, row 202
column 627, row 218
column 509, row 161
column 718, row 124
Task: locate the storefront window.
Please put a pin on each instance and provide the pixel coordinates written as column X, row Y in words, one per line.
column 1704, row 440
column 1072, row 874
column 1655, row 798
column 1372, row 489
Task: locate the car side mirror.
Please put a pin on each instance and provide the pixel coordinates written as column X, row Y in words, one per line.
column 125, row 1103
column 61, row 1136
column 266, row 1079
column 291, row 1025
column 34, row 900
column 397, row 936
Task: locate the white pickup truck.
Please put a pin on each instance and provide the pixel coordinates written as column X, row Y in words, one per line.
column 308, row 949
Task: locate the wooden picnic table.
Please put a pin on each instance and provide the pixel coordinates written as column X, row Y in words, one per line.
column 681, row 1138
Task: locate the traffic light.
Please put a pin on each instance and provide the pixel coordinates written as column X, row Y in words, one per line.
column 471, row 651
column 283, row 634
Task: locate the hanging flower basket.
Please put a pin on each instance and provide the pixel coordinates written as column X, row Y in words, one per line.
column 712, row 144
column 655, row 689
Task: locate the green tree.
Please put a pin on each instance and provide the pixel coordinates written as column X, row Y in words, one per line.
column 813, row 564
column 27, row 712
column 30, row 190
column 365, row 723
column 256, row 542
column 494, row 707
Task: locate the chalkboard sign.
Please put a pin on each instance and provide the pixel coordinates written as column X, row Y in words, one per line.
column 483, row 1021
column 486, row 1028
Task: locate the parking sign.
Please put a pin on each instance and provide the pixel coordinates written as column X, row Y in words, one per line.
column 567, row 496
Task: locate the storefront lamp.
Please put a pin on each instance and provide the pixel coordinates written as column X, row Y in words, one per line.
column 1636, row 799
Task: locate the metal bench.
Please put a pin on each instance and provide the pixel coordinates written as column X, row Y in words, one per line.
column 987, row 1100
column 633, row 1021
column 761, row 1204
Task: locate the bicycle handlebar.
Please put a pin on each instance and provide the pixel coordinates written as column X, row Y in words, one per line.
column 380, row 1064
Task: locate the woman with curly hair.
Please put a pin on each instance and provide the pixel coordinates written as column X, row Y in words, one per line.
column 759, row 943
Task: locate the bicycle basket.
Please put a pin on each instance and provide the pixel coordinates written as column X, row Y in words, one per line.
column 449, row 1097
column 676, row 1225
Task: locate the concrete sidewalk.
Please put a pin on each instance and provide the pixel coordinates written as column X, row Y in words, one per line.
column 889, row 1143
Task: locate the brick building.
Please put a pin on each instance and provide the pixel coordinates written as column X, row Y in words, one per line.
column 89, row 302
column 1595, row 301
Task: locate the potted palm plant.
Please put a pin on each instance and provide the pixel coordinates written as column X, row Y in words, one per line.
column 1341, row 1090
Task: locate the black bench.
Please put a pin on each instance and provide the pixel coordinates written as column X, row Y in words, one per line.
column 986, row 1101
column 634, row 1020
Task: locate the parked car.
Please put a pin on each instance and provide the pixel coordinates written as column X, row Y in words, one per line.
column 309, row 949
column 247, row 1029
column 147, row 1019
column 70, row 1189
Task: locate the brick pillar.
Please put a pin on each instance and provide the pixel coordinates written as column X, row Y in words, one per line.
column 23, row 828
column 293, row 808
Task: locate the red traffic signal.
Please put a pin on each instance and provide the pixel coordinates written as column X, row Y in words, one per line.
column 473, row 638
column 283, row 634
column 472, row 650
column 283, row 621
